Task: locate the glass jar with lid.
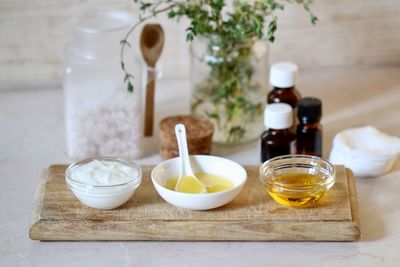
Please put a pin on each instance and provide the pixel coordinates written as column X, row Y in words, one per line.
column 102, row 118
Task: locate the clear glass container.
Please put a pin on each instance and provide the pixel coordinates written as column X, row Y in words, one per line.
column 229, row 83
column 101, row 116
column 103, row 196
column 297, row 180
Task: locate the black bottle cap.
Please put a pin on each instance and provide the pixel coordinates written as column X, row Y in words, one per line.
column 309, row 110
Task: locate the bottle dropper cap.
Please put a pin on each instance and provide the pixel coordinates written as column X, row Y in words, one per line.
column 309, row 110
column 278, row 116
column 284, row 75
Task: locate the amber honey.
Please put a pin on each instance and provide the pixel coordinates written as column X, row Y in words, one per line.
column 297, row 189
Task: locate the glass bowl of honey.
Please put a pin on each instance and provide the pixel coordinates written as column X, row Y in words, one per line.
column 297, row 180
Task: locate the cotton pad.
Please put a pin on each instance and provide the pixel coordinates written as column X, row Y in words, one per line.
column 365, row 150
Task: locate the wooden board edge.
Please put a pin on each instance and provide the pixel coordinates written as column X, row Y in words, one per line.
column 35, row 218
column 153, row 230
column 353, row 201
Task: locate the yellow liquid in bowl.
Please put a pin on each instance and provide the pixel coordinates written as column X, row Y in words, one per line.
column 297, row 189
column 214, row 183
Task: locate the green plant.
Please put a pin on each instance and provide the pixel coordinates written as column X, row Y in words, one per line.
column 234, row 28
column 224, row 94
column 246, row 20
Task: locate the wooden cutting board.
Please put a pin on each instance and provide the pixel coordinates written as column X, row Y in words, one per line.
column 251, row 216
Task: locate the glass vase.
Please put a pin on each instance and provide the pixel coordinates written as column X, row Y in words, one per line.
column 229, row 86
column 101, row 115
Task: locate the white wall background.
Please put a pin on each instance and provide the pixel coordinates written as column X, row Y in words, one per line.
column 350, row 32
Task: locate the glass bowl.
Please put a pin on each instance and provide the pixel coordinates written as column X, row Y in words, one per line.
column 104, row 196
column 297, row 180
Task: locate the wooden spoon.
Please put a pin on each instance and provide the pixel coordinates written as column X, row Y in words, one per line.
column 151, row 46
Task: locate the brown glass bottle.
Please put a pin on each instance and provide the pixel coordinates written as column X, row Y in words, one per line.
column 309, row 129
column 277, row 140
column 283, row 78
column 276, row 143
column 289, row 96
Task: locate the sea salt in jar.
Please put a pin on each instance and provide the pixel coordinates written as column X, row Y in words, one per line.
column 101, row 117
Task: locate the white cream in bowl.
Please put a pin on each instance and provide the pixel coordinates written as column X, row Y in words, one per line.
column 103, row 183
column 103, row 172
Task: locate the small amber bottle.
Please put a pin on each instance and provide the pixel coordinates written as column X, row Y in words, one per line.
column 277, row 140
column 309, row 129
column 283, row 77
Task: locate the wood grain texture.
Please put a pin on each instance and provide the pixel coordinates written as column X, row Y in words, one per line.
column 349, row 32
column 252, row 216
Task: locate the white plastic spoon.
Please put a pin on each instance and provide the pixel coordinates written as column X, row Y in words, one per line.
column 187, row 181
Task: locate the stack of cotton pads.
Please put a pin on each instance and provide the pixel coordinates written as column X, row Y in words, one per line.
column 365, row 150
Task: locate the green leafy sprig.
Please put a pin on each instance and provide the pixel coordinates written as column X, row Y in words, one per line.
column 246, row 19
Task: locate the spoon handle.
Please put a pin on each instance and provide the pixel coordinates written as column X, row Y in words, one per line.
column 180, row 132
column 149, row 109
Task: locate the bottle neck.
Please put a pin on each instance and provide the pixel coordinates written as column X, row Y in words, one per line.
column 279, row 131
column 283, row 88
column 310, row 121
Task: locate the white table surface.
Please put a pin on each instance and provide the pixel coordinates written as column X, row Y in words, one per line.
column 32, row 137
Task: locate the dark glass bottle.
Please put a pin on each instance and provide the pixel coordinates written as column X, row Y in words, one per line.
column 309, row 129
column 283, row 77
column 277, row 140
column 288, row 95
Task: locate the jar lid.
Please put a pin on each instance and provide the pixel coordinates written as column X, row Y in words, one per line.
column 199, row 132
column 103, row 20
column 278, row 116
column 309, row 109
column 284, row 74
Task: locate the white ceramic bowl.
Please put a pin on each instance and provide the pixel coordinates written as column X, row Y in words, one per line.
column 200, row 163
column 103, row 197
